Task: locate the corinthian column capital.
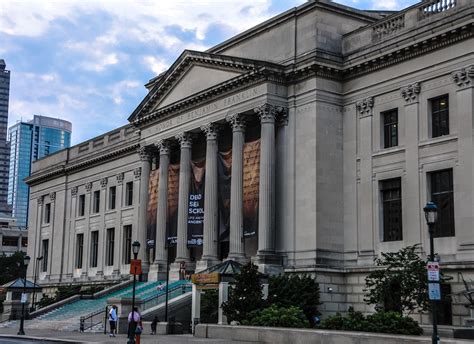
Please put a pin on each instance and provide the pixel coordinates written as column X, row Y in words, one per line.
column 185, row 139
column 211, row 130
column 237, row 121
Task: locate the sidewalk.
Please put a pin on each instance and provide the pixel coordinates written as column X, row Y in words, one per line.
column 77, row 337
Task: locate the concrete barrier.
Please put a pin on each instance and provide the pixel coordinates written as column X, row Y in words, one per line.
column 302, row 336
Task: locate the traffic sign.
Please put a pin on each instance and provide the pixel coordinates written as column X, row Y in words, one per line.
column 136, row 266
column 433, row 271
column 434, row 291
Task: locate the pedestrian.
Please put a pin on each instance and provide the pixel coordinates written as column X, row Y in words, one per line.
column 134, row 321
column 182, row 270
column 153, row 325
column 113, row 321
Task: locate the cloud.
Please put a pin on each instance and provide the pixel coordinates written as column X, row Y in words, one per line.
column 156, row 65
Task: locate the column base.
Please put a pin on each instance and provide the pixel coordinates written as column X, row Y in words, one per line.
column 206, row 262
column 157, row 271
column 175, row 270
column 269, row 263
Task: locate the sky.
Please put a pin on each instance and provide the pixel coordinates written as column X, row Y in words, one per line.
column 87, row 61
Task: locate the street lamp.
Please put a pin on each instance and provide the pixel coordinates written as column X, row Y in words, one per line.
column 431, row 215
column 21, row 332
column 135, row 250
column 36, row 268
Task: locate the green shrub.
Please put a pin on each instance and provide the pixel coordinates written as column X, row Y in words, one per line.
column 45, row 301
column 209, row 306
column 295, row 290
column 275, row 316
column 382, row 322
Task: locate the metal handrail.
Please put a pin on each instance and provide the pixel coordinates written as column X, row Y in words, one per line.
column 172, row 292
column 85, row 326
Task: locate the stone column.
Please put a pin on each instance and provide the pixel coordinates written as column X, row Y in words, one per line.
column 266, row 204
column 118, row 249
column 145, row 158
column 182, row 252
column 464, row 171
column 158, row 269
column 236, row 237
column 412, row 207
column 209, row 255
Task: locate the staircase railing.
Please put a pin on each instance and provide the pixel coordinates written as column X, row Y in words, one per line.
column 95, row 318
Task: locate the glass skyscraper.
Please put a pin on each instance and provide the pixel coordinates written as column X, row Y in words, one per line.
column 4, row 145
column 30, row 141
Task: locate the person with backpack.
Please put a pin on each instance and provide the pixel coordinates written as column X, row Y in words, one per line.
column 113, row 321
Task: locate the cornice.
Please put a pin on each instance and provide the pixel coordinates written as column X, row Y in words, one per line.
column 86, row 163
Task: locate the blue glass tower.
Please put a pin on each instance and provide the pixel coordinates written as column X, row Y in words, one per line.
column 30, row 141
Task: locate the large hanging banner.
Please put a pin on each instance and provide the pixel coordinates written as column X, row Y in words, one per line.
column 224, row 169
column 152, row 204
column 196, row 203
column 251, row 184
column 173, row 195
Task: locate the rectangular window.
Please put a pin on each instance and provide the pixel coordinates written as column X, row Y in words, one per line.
column 82, row 205
column 45, row 251
column 10, row 241
column 79, row 250
column 391, row 191
column 47, row 213
column 127, row 244
column 440, row 116
column 129, row 193
column 110, row 246
column 112, row 193
column 94, row 248
column 96, row 202
column 390, row 128
column 442, row 194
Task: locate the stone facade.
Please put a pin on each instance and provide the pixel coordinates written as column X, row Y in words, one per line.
column 317, row 100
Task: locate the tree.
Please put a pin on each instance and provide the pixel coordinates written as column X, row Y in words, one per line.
column 400, row 283
column 295, row 290
column 246, row 296
column 11, row 267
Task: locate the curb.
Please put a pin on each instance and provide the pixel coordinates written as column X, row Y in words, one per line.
column 42, row 339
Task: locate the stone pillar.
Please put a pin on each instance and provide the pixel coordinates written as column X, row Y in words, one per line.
column 101, row 259
column 145, row 159
column 464, row 172
column 266, row 204
column 223, row 297
column 158, row 269
column 411, row 181
column 195, row 306
column 182, row 252
column 118, row 250
column 211, row 225
column 236, row 237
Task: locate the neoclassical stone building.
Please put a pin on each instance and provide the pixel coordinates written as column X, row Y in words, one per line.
column 309, row 143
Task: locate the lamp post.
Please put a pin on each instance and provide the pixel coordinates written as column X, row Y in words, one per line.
column 431, row 215
column 21, row 332
column 35, row 272
column 135, row 250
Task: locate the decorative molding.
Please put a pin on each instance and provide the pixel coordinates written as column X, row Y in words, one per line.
column 103, row 182
column 137, row 172
column 163, row 146
column 144, row 153
column 282, row 117
column 119, row 178
column 410, row 92
column 88, row 187
column 364, row 106
column 40, row 200
column 211, row 130
column 464, row 77
column 52, row 197
column 268, row 113
column 237, row 121
column 185, row 140
column 74, row 191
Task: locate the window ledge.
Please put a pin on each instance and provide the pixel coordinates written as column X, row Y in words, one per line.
column 438, row 140
column 111, row 211
column 94, row 215
column 126, row 207
column 388, row 151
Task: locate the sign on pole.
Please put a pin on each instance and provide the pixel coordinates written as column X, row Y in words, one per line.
column 434, row 291
column 24, row 297
column 136, row 266
column 433, row 271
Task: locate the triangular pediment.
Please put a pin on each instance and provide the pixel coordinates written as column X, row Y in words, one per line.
column 192, row 74
column 194, row 80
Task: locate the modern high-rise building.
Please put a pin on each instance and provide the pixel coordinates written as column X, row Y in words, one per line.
column 30, row 141
column 4, row 145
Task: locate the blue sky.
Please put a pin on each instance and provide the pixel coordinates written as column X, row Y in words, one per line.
column 87, row 61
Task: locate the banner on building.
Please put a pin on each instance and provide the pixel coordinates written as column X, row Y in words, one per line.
column 173, row 195
column 152, row 205
column 196, row 203
column 251, row 185
column 224, row 167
